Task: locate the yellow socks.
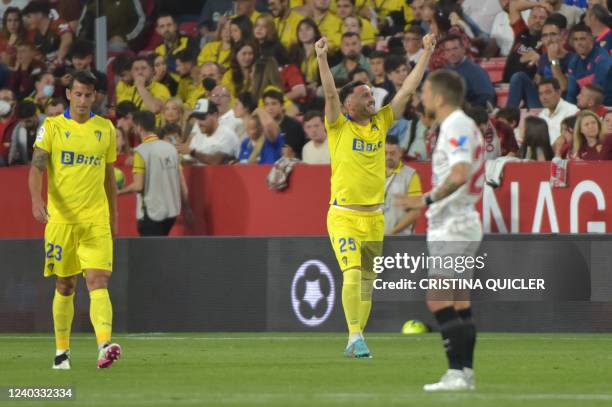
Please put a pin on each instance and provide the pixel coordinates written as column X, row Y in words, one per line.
column 351, row 299
column 101, row 314
column 365, row 306
column 63, row 313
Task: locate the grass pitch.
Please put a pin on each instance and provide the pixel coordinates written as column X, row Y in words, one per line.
column 308, row 370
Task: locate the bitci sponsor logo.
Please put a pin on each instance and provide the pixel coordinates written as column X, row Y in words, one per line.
column 313, row 293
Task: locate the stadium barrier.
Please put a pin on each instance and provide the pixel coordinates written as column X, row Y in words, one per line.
column 294, row 284
column 235, row 201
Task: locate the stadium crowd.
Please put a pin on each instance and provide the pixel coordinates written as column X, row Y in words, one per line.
column 241, row 84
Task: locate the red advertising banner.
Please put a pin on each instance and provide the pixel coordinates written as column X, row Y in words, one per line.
column 235, row 201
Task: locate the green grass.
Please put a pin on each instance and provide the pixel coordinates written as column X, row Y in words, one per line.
column 308, row 370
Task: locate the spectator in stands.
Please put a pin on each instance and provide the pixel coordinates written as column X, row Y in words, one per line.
column 238, row 78
column 215, row 12
column 316, row 151
column 442, row 26
column 44, row 89
column 397, row 70
column 479, row 89
column 498, row 137
column 211, row 70
column 571, row 13
column 413, row 43
column 5, row 5
column 598, row 20
column 591, row 64
column 7, row 122
column 555, row 108
column 525, row 53
column 328, row 22
column 125, row 114
column 185, row 63
column 563, row 144
column 555, row 61
column 172, row 133
column 261, row 146
column 512, row 117
column 163, row 76
column 347, row 8
column 124, row 152
column 51, row 37
column 24, row 133
column 145, row 93
column 26, row 67
column 589, row 135
column 591, row 98
column 415, row 138
column 377, row 65
column 302, row 53
column 460, row 18
column 608, row 122
column 220, row 95
column 291, row 128
column 417, row 14
column 536, row 142
column 247, row 8
column 401, row 179
column 350, row 47
column 173, row 113
column 158, row 180
column 286, row 21
column 360, row 74
column 82, row 58
column 241, row 30
column 286, row 78
column 501, row 31
column 173, row 41
column 214, row 144
column 266, row 36
column 245, row 105
column 122, row 69
column 218, row 51
column 13, row 33
column 56, row 107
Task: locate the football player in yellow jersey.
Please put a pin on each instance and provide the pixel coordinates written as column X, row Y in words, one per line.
column 77, row 150
column 355, row 222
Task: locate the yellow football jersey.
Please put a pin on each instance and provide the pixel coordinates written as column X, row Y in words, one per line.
column 358, row 159
column 287, row 28
column 130, row 93
column 78, row 154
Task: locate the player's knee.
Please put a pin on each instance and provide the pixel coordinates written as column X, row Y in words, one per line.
column 97, row 281
column 65, row 286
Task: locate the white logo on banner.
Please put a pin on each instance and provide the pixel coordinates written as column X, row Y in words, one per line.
column 313, row 293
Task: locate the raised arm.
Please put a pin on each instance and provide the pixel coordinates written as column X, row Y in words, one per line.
column 410, row 85
column 35, row 184
column 270, row 127
column 517, row 6
column 333, row 108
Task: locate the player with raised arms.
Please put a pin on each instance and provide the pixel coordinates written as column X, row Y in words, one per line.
column 355, row 222
column 454, row 227
column 77, row 150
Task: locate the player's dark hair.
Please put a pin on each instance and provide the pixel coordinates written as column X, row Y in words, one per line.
column 478, row 114
column 349, row 35
column 248, row 101
column 124, row 109
column 163, row 15
column 377, row 54
column 85, row 78
column 58, row 101
column 452, row 37
column 558, row 20
column 570, row 122
column 121, row 63
column 145, row 119
column 536, row 139
column 274, row 94
column 185, row 56
column 599, row 92
column 348, row 90
column 145, row 59
column 415, row 29
column 550, row 81
column 25, row 109
column 392, row 62
column 81, row 49
column 36, row 7
column 580, row 28
column 356, row 71
column 312, row 114
column 393, row 140
column 38, row 77
column 510, row 114
column 448, row 84
column 170, row 128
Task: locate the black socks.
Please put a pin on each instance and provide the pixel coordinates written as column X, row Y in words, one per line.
column 459, row 335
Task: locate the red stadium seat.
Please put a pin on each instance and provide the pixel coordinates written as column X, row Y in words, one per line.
column 494, row 67
column 189, row 28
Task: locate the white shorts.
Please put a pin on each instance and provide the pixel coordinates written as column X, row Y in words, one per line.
column 454, row 241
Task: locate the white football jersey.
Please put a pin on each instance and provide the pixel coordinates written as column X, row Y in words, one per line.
column 459, row 141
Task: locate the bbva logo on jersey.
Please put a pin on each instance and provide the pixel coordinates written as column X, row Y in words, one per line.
column 70, row 158
column 360, row 145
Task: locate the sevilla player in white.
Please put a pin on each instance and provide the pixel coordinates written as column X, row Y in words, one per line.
column 454, row 227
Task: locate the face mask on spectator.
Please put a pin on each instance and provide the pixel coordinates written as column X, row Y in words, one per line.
column 48, row 90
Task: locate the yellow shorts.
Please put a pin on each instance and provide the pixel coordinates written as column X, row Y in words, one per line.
column 70, row 249
column 354, row 234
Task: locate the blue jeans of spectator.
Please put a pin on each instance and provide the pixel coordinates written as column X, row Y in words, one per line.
column 522, row 88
